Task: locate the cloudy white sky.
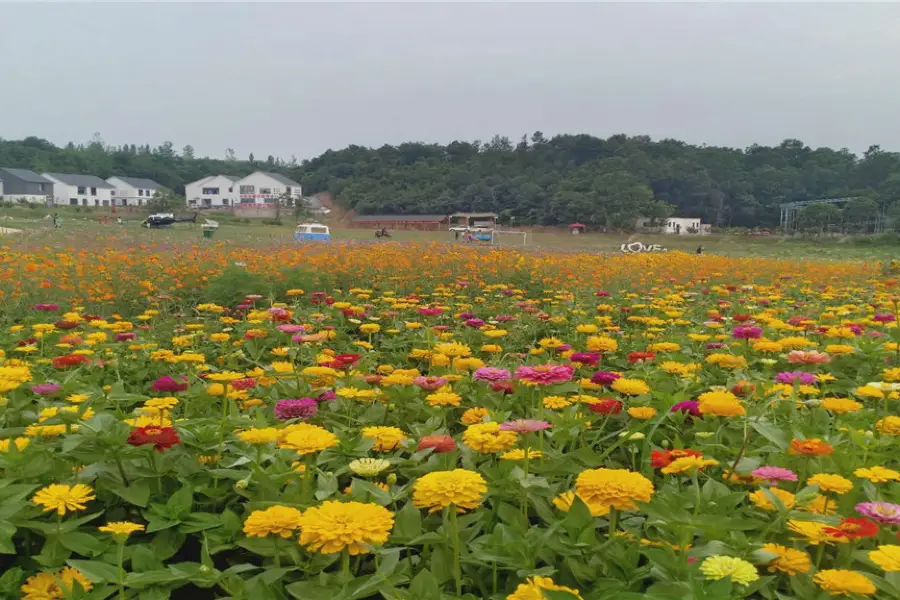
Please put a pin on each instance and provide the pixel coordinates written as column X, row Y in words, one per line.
column 297, row 79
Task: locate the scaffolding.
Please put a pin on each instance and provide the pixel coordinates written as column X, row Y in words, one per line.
column 790, row 210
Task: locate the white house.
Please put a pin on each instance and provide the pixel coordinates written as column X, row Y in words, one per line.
column 79, row 190
column 683, row 226
column 263, row 188
column 132, row 191
column 211, row 191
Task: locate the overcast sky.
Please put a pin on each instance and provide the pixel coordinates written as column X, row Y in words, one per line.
column 297, row 79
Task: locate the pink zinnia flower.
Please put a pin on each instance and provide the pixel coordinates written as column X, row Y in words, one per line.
column 884, row 318
column 773, row 474
column 491, row 374
column 430, row 311
column 46, row 307
column 46, row 389
column 296, row 408
column 545, row 374
column 290, row 328
column 476, row 323
column 791, row 377
column 586, row 358
column 525, row 425
column 430, row 384
column 691, row 407
column 886, row 513
column 504, row 318
column 125, row 337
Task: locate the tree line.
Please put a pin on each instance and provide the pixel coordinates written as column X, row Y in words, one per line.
column 537, row 180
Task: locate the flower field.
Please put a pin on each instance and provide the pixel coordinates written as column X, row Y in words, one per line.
column 421, row 421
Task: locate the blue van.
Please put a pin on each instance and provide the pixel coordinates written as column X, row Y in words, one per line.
column 312, row 232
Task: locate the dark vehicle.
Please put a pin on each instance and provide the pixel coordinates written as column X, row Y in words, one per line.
column 382, row 233
column 160, row 220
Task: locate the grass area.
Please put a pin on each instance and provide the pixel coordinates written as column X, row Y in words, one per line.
column 76, row 225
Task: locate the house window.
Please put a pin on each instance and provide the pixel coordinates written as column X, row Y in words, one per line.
column 265, row 190
column 248, row 189
column 231, row 189
column 93, row 191
column 84, row 201
column 73, row 201
column 82, row 190
column 210, row 191
column 140, row 192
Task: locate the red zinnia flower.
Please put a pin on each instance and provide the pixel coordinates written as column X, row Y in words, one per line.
column 161, row 437
column 853, row 528
column 440, row 443
column 65, row 324
column 243, row 384
column 506, row 387
column 663, row 458
column 634, row 357
column 606, row 406
column 69, row 360
column 170, row 384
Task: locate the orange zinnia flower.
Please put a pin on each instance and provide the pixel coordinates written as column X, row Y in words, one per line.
column 810, row 447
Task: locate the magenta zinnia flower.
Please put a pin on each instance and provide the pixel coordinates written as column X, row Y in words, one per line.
column 604, row 377
column 46, row 307
column 491, row 374
column 290, row 328
column 886, row 513
column 745, row 332
column 791, row 377
column 545, row 374
column 525, row 425
column 585, row 358
column 474, row 323
column 884, row 318
column 773, row 474
column 170, row 384
column 326, row 396
column 692, row 407
column 296, row 408
column 46, row 389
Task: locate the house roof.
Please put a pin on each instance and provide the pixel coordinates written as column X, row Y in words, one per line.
column 399, row 218
column 79, row 180
column 202, row 180
column 282, row 179
column 138, row 182
column 25, row 175
column 230, row 178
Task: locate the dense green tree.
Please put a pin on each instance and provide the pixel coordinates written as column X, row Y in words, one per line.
column 535, row 180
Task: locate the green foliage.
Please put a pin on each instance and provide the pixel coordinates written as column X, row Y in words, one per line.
column 603, row 182
column 234, row 284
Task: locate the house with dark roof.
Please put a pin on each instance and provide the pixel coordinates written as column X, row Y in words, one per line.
column 423, row 222
column 132, row 191
column 266, row 188
column 212, row 191
column 22, row 185
column 79, row 190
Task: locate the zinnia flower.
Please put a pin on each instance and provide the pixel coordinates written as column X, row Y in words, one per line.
column 276, row 520
column 606, row 406
column 525, row 425
column 877, row 474
column 853, row 529
column 345, row 526
column 663, row 458
column 533, row 588
column 386, row 438
column 491, row 374
column 604, row 377
column 460, row 488
column 161, row 438
column 773, row 474
column 887, row 557
column 46, row 389
column 889, row 425
column 829, row 482
column 368, row 467
column 308, row 439
column 585, row 358
column 691, row 407
column 787, row 560
column 810, row 447
column 170, row 384
column 618, row 488
column 886, row 513
column 440, row 443
column 688, row 464
column 544, row 374
column 809, row 357
column 48, row 586
column 488, row 438
column 720, row 404
column 630, row 387
column 295, row 408
column 841, row 582
column 738, row 569
column 746, row 332
column 762, row 499
column 430, row 384
column 801, row 377
column 121, row 528
column 62, row 498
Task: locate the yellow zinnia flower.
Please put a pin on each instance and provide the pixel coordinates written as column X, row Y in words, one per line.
column 276, row 520
column 460, row 488
column 877, row 474
column 738, row 569
column 887, row 557
column 345, row 526
column 62, row 498
column 829, row 482
column 720, row 404
column 533, row 588
column 840, row 582
column 787, row 560
column 618, row 488
column 386, row 438
column 121, row 528
column 488, row 438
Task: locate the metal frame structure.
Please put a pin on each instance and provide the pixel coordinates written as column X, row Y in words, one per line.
column 789, row 210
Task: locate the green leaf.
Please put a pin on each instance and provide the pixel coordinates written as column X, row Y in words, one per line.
column 311, row 590
column 10, row 581
column 199, row 522
column 95, row 570
column 558, row 595
column 408, row 523
column 82, row 543
column 424, row 586
column 180, row 503
column 7, row 531
column 771, row 433
column 137, row 493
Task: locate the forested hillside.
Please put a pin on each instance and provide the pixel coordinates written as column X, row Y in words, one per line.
column 537, row 180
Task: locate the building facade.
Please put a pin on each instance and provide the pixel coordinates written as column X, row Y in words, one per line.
column 132, row 191
column 79, row 190
column 266, row 188
column 22, row 185
column 212, row 191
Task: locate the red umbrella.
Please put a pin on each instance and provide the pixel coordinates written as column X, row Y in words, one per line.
column 577, row 225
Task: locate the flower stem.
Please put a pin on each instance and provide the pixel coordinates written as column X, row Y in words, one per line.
column 277, row 548
column 120, row 557
column 454, row 532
